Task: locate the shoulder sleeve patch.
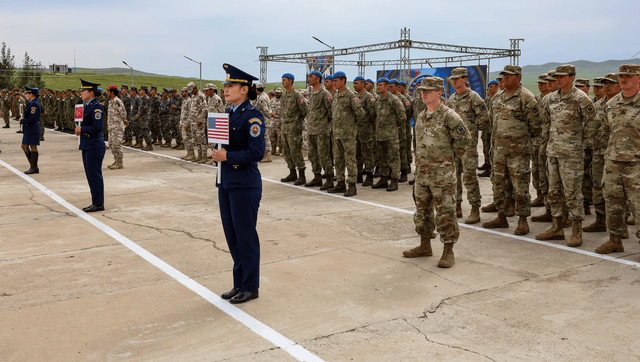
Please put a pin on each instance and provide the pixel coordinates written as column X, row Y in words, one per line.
column 33, row 110
column 461, row 130
column 255, row 120
column 329, row 98
column 302, row 100
column 98, row 114
column 373, row 99
column 356, row 99
column 254, row 130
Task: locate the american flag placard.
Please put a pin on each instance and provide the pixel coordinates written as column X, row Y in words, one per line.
column 218, row 125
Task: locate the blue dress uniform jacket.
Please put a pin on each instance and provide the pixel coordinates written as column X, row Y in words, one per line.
column 93, row 149
column 31, row 122
column 240, row 192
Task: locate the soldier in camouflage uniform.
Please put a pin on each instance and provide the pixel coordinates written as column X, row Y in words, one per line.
column 294, row 110
column 142, row 118
column 176, row 110
column 345, row 109
column 117, row 121
column 492, row 89
column 185, row 126
column 198, row 121
column 405, row 167
column 366, row 132
column 276, row 124
column 572, row 126
column 473, row 111
column 621, row 132
column 264, row 106
column 390, row 116
column 587, row 182
column 516, row 118
column 441, row 137
column 410, row 115
column 6, row 106
column 133, row 121
column 536, row 166
column 126, row 100
column 319, row 131
column 154, row 117
column 165, row 118
column 597, row 167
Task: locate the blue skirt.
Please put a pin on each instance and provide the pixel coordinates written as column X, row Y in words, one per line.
column 31, row 139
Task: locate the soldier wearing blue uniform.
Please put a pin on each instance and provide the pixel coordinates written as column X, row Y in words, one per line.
column 92, row 143
column 31, row 130
column 240, row 187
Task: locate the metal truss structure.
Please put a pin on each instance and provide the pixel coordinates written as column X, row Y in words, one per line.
column 405, row 44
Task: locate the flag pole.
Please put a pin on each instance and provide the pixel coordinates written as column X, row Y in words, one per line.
column 219, row 164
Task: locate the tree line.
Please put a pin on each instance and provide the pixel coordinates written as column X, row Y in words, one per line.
column 28, row 74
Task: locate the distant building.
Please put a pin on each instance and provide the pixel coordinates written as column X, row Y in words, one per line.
column 59, row 68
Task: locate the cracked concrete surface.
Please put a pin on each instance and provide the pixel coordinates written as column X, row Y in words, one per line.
column 333, row 276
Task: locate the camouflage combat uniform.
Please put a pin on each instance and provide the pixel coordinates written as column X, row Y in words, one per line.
column 597, row 165
column 165, row 119
column 117, row 116
column 176, row 110
column 262, row 103
column 187, row 134
column 154, row 121
column 390, row 116
column 344, row 111
column 198, row 113
column 276, row 125
column 319, row 131
column 405, row 167
column 294, row 110
column 143, row 122
column 126, row 101
column 366, row 126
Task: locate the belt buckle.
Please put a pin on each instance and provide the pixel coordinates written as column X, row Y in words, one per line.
column 236, row 166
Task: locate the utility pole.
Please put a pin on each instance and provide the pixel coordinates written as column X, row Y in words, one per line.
column 200, row 69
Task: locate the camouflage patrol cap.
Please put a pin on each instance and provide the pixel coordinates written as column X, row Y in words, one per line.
column 459, row 73
column 278, row 90
column 431, row 83
column 511, row 69
column 185, row 89
column 134, row 89
column 499, row 77
column 190, row 86
column 551, row 76
column 597, row 82
column 153, row 87
column 271, row 92
column 259, row 86
column 165, row 90
column 611, row 77
column 566, row 69
column 145, row 88
column 542, row 78
column 629, row 69
column 124, row 86
column 583, row 82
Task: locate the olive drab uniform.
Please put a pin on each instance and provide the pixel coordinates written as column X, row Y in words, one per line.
column 366, row 125
column 294, row 110
column 344, row 111
column 319, row 131
column 390, row 116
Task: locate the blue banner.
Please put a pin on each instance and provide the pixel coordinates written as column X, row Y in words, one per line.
column 477, row 78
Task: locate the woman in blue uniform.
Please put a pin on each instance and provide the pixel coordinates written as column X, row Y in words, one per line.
column 92, row 143
column 31, row 132
column 240, row 187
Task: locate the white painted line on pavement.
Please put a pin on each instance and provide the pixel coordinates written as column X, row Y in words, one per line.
column 264, row 331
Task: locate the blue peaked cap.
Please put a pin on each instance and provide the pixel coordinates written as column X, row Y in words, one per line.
column 235, row 75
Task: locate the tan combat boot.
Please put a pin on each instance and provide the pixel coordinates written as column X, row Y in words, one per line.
column 474, row 216
column 625, row 236
column 458, row 209
column 499, row 222
column 191, row 156
column 138, row 144
column 179, row 146
column 447, row 260
column 598, row 225
column 111, row 166
column 539, row 201
column 423, row 250
column 128, row 143
column 546, row 217
column 523, row 226
column 613, row 245
column 575, row 239
column 489, row 208
column 556, row 232
column 631, row 220
column 166, row 145
column 119, row 164
column 266, row 158
column 148, row 147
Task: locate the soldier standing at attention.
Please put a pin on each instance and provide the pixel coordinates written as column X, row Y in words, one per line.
column 5, row 108
column 394, row 88
column 198, row 121
column 31, row 132
column 117, row 121
column 587, row 182
column 516, row 118
column 154, row 118
column 473, row 111
column 129, row 103
column 390, row 115
column 441, row 137
column 176, row 109
column 144, row 111
column 319, row 131
column 165, row 118
column 572, row 126
column 264, row 106
column 402, row 89
column 536, row 165
column 366, row 131
column 240, row 188
column 92, row 144
column 492, row 89
column 344, row 111
column 276, row 124
column 185, row 126
column 294, row 110
column 621, row 131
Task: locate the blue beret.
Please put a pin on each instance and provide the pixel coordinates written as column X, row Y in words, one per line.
column 359, row 78
column 288, row 75
column 329, row 77
column 315, row 72
column 402, row 82
column 493, row 82
column 100, row 89
column 339, row 75
column 393, row 81
column 369, row 81
column 235, row 75
column 383, row 80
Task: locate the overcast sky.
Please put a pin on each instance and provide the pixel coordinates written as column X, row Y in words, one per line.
column 154, row 36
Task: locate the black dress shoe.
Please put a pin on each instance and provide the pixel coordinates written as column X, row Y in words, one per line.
column 93, row 208
column 244, row 297
column 230, row 294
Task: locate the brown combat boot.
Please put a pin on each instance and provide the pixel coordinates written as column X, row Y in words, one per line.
column 166, row 145
column 369, row 180
column 599, row 225
column 127, row 143
column 458, row 209
column 625, row 236
column 511, row 208
column 567, row 223
column 266, row 158
column 631, row 220
column 316, row 181
column 500, row 222
column 302, row 179
column 138, row 144
column 328, row 184
column 523, row 226
column 587, row 208
column 423, row 250
column 556, row 232
column 382, row 183
column 575, row 239
column 339, row 187
column 447, row 260
column 546, row 217
column 157, row 143
column 351, row 191
column 474, row 216
column 292, row 176
column 189, row 156
column 613, row 245
column 539, row 201
column 489, row 208
column 113, row 164
column 148, row 147
column 179, row 146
